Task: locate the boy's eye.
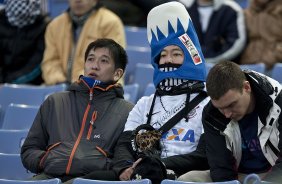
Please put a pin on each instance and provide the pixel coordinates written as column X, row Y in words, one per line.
column 177, row 54
column 90, row 59
column 104, row 60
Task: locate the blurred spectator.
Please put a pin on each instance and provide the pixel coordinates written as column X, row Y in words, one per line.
column 1, row 4
column 264, row 25
column 68, row 35
column 220, row 27
column 133, row 12
column 22, row 28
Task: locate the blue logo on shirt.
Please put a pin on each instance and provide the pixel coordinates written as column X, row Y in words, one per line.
column 177, row 135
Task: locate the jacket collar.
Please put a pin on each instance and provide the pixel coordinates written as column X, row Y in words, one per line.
column 81, row 86
column 265, row 91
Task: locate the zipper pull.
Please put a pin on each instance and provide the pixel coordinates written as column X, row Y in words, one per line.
column 93, row 118
column 91, row 94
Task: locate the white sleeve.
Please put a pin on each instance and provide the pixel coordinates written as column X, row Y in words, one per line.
column 138, row 114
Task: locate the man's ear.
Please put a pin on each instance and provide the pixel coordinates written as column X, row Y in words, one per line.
column 247, row 86
column 118, row 74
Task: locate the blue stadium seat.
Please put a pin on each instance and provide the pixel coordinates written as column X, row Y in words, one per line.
column 19, row 116
column 136, row 55
column 2, row 5
column 131, row 92
column 243, row 3
column 11, row 141
column 136, row 36
column 87, row 181
column 208, row 67
column 166, row 181
column 260, row 67
column 56, row 7
column 277, row 72
column 2, row 113
column 48, row 181
column 11, row 167
column 26, row 94
column 150, row 89
column 143, row 76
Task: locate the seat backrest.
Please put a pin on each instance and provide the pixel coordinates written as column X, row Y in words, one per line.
column 150, row 89
column 166, row 181
column 19, row 116
column 136, row 36
column 11, row 141
column 57, row 7
column 87, row 181
column 131, row 92
column 143, row 76
column 136, row 55
column 48, row 181
column 277, row 72
column 11, row 167
column 26, row 94
column 254, row 179
column 243, row 3
column 208, row 67
column 2, row 113
column 259, row 67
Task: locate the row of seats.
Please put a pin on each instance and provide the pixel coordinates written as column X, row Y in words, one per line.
column 21, row 116
column 24, row 101
column 19, row 103
column 250, row 179
column 31, row 97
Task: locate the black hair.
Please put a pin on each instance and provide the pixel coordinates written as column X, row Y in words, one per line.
column 117, row 52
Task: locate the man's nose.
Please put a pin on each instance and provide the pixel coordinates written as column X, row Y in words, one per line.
column 94, row 66
column 168, row 60
column 227, row 113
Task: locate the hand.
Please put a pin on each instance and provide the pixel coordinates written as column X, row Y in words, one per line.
column 125, row 175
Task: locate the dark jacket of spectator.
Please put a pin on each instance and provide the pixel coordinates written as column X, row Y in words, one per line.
column 225, row 36
column 21, row 50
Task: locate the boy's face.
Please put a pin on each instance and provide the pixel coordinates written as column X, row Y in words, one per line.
column 100, row 65
column 171, row 54
column 235, row 104
column 80, row 7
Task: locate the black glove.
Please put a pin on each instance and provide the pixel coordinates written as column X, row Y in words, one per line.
column 151, row 168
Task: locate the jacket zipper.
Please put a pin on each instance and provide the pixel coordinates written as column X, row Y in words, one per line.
column 94, row 116
column 46, row 154
column 78, row 139
column 102, row 151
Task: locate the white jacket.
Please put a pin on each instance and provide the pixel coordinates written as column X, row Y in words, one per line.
column 268, row 132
